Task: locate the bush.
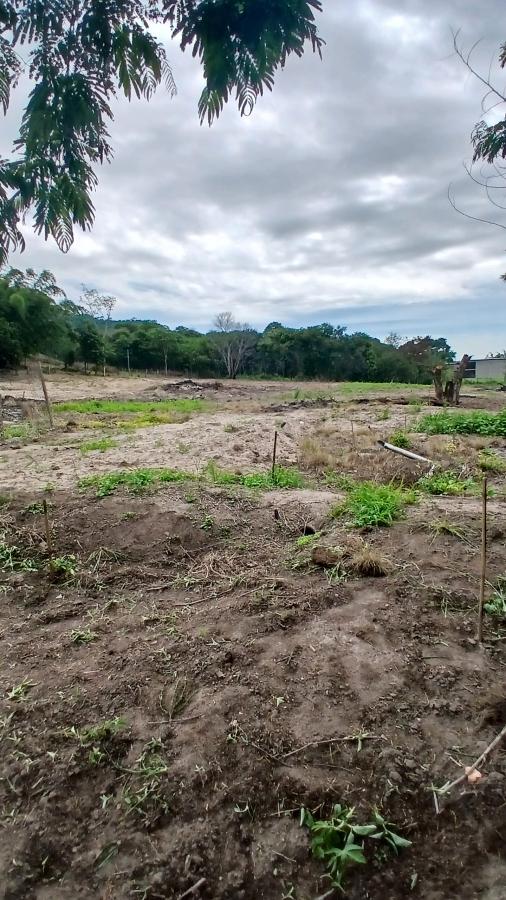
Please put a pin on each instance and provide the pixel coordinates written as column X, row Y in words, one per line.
column 400, row 439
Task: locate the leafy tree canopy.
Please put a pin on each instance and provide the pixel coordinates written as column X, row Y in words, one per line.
column 83, row 52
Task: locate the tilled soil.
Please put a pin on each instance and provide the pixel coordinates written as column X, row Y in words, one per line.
column 230, row 682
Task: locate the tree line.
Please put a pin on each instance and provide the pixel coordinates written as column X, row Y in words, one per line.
column 37, row 318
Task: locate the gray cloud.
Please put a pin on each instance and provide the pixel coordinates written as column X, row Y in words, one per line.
column 328, row 203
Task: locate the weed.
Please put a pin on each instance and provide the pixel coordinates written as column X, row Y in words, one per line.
column 34, row 509
column 312, row 455
column 479, row 422
column 443, row 526
column 182, row 695
column 491, row 462
column 20, row 691
column 102, row 731
column 182, row 447
column 369, row 504
column 12, row 558
column 22, row 431
column 231, row 429
column 400, row 439
column 136, row 481
column 445, row 483
column 207, row 523
column 86, row 636
column 101, row 445
column 496, row 606
column 384, row 414
column 339, row 840
column 63, row 566
column 307, row 539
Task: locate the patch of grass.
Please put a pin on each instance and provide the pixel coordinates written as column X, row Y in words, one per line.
column 102, row 731
column 307, row 539
column 22, row 431
column 384, row 414
column 480, row 422
column 101, row 445
column 182, row 695
column 339, row 840
column 400, row 439
column 183, row 405
column 491, row 462
column 281, row 477
column 445, row 483
column 34, row 509
column 369, row 504
column 135, row 481
column 13, row 559
column 313, row 455
column 368, row 387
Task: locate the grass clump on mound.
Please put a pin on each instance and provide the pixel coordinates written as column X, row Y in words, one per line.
column 369, row 504
column 484, row 423
column 445, row 483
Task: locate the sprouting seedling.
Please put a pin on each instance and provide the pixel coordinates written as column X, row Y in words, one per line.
column 20, row 691
column 82, row 636
column 385, row 832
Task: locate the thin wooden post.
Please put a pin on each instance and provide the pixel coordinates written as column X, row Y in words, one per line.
column 46, row 396
column 483, row 560
column 274, row 450
column 352, row 432
column 48, row 529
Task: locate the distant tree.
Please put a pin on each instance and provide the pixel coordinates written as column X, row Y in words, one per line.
column 91, row 345
column 10, row 349
column 233, row 341
column 393, row 339
column 82, row 53
column 99, row 306
column 39, row 281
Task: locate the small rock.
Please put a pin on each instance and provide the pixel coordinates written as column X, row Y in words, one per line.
column 327, row 557
column 410, row 764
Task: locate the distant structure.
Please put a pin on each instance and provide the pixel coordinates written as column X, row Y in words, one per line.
column 487, row 368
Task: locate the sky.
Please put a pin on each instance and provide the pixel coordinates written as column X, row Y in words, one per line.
column 329, row 203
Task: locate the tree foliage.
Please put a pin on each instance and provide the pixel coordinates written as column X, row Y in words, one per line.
column 82, row 54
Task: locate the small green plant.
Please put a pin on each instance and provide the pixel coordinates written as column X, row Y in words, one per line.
column 231, row 429
column 102, row 731
column 307, row 539
column 22, row 431
column 496, row 606
column 384, row 414
column 400, row 439
column 491, row 462
column 20, row 691
column 369, row 504
column 445, row 483
column 101, row 445
column 135, row 481
column 63, row 566
column 207, row 523
column 339, row 840
column 82, row 636
column 34, row 509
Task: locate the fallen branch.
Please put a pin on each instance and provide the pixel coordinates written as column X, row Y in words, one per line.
column 407, row 453
column 193, row 890
column 469, row 770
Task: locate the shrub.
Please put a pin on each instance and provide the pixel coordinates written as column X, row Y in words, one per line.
column 400, row 439
column 485, row 423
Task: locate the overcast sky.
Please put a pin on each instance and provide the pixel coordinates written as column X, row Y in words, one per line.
column 328, row 204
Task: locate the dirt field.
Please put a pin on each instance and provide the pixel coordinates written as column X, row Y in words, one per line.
column 193, row 661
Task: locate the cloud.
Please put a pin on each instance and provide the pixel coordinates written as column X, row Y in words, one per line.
column 328, row 203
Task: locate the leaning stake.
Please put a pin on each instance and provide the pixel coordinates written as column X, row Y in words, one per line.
column 46, row 396
column 274, row 450
column 48, row 529
column 483, row 560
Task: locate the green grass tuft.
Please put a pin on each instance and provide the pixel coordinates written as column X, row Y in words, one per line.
column 102, row 445
column 184, row 405
column 369, row 504
column 491, row 462
column 400, row 439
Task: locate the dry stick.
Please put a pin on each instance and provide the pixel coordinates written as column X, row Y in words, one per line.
column 274, row 449
column 46, row 396
column 483, row 561
column 48, row 529
column 352, row 432
column 448, row 787
column 194, row 889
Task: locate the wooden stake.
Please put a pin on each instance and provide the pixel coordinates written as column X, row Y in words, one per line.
column 46, row 396
column 483, row 560
column 48, row 529
column 352, row 432
column 274, row 450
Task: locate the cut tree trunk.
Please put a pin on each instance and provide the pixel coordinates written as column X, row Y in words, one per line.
column 447, row 391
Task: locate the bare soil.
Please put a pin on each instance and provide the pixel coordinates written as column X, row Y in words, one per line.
column 249, row 682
